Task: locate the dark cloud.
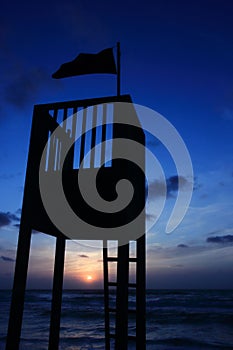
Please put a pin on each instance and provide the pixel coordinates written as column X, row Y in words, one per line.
column 173, row 183
column 19, row 92
column 7, row 218
column 182, row 246
column 5, row 258
column 18, row 211
column 83, row 256
column 27, row 85
column 220, row 239
column 13, row 217
column 157, row 188
column 4, row 219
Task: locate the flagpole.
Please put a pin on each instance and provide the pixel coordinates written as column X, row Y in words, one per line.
column 118, row 69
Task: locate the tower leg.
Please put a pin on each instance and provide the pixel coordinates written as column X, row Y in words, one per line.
column 18, row 292
column 121, row 342
column 141, row 295
column 106, row 296
column 57, row 294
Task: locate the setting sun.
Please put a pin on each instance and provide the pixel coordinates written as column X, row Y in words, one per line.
column 89, row 278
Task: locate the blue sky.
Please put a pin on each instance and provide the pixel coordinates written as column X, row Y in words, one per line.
column 176, row 59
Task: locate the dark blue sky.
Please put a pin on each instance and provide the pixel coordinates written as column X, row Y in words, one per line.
column 176, row 59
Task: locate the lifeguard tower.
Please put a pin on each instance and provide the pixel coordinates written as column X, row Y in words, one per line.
column 57, row 154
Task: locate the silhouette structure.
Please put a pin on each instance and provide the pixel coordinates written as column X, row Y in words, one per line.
column 34, row 215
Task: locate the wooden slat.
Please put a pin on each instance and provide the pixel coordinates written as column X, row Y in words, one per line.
column 64, row 118
column 103, row 148
column 74, row 122
column 83, row 137
column 93, row 136
column 55, row 113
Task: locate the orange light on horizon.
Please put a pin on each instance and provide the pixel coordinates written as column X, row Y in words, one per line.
column 89, row 278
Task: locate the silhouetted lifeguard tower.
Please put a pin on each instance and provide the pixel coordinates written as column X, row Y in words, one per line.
column 57, row 165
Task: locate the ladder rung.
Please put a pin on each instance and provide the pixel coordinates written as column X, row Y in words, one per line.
column 112, row 258
column 112, row 284
column 115, row 258
column 133, row 259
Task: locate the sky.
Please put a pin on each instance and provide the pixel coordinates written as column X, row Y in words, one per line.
column 177, row 59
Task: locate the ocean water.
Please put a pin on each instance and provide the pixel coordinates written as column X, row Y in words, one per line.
column 176, row 319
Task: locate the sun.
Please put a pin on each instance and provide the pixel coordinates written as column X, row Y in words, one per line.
column 89, row 278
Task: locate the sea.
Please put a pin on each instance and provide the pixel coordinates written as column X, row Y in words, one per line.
column 176, row 319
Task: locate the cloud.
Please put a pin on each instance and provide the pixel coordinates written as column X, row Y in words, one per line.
column 157, row 188
column 220, row 239
column 173, row 183
column 5, row 258
column 18, row 211
column 20, row 91
column 224, row 231
column 83, row 256
column 182, row 246
column 6, row 218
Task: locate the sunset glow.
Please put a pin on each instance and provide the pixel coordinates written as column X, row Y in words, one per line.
column 89, row 278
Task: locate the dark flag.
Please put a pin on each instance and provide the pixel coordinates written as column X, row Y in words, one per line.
column 87, row 63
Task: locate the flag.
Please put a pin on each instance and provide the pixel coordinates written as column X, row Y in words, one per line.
column 87, row 63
